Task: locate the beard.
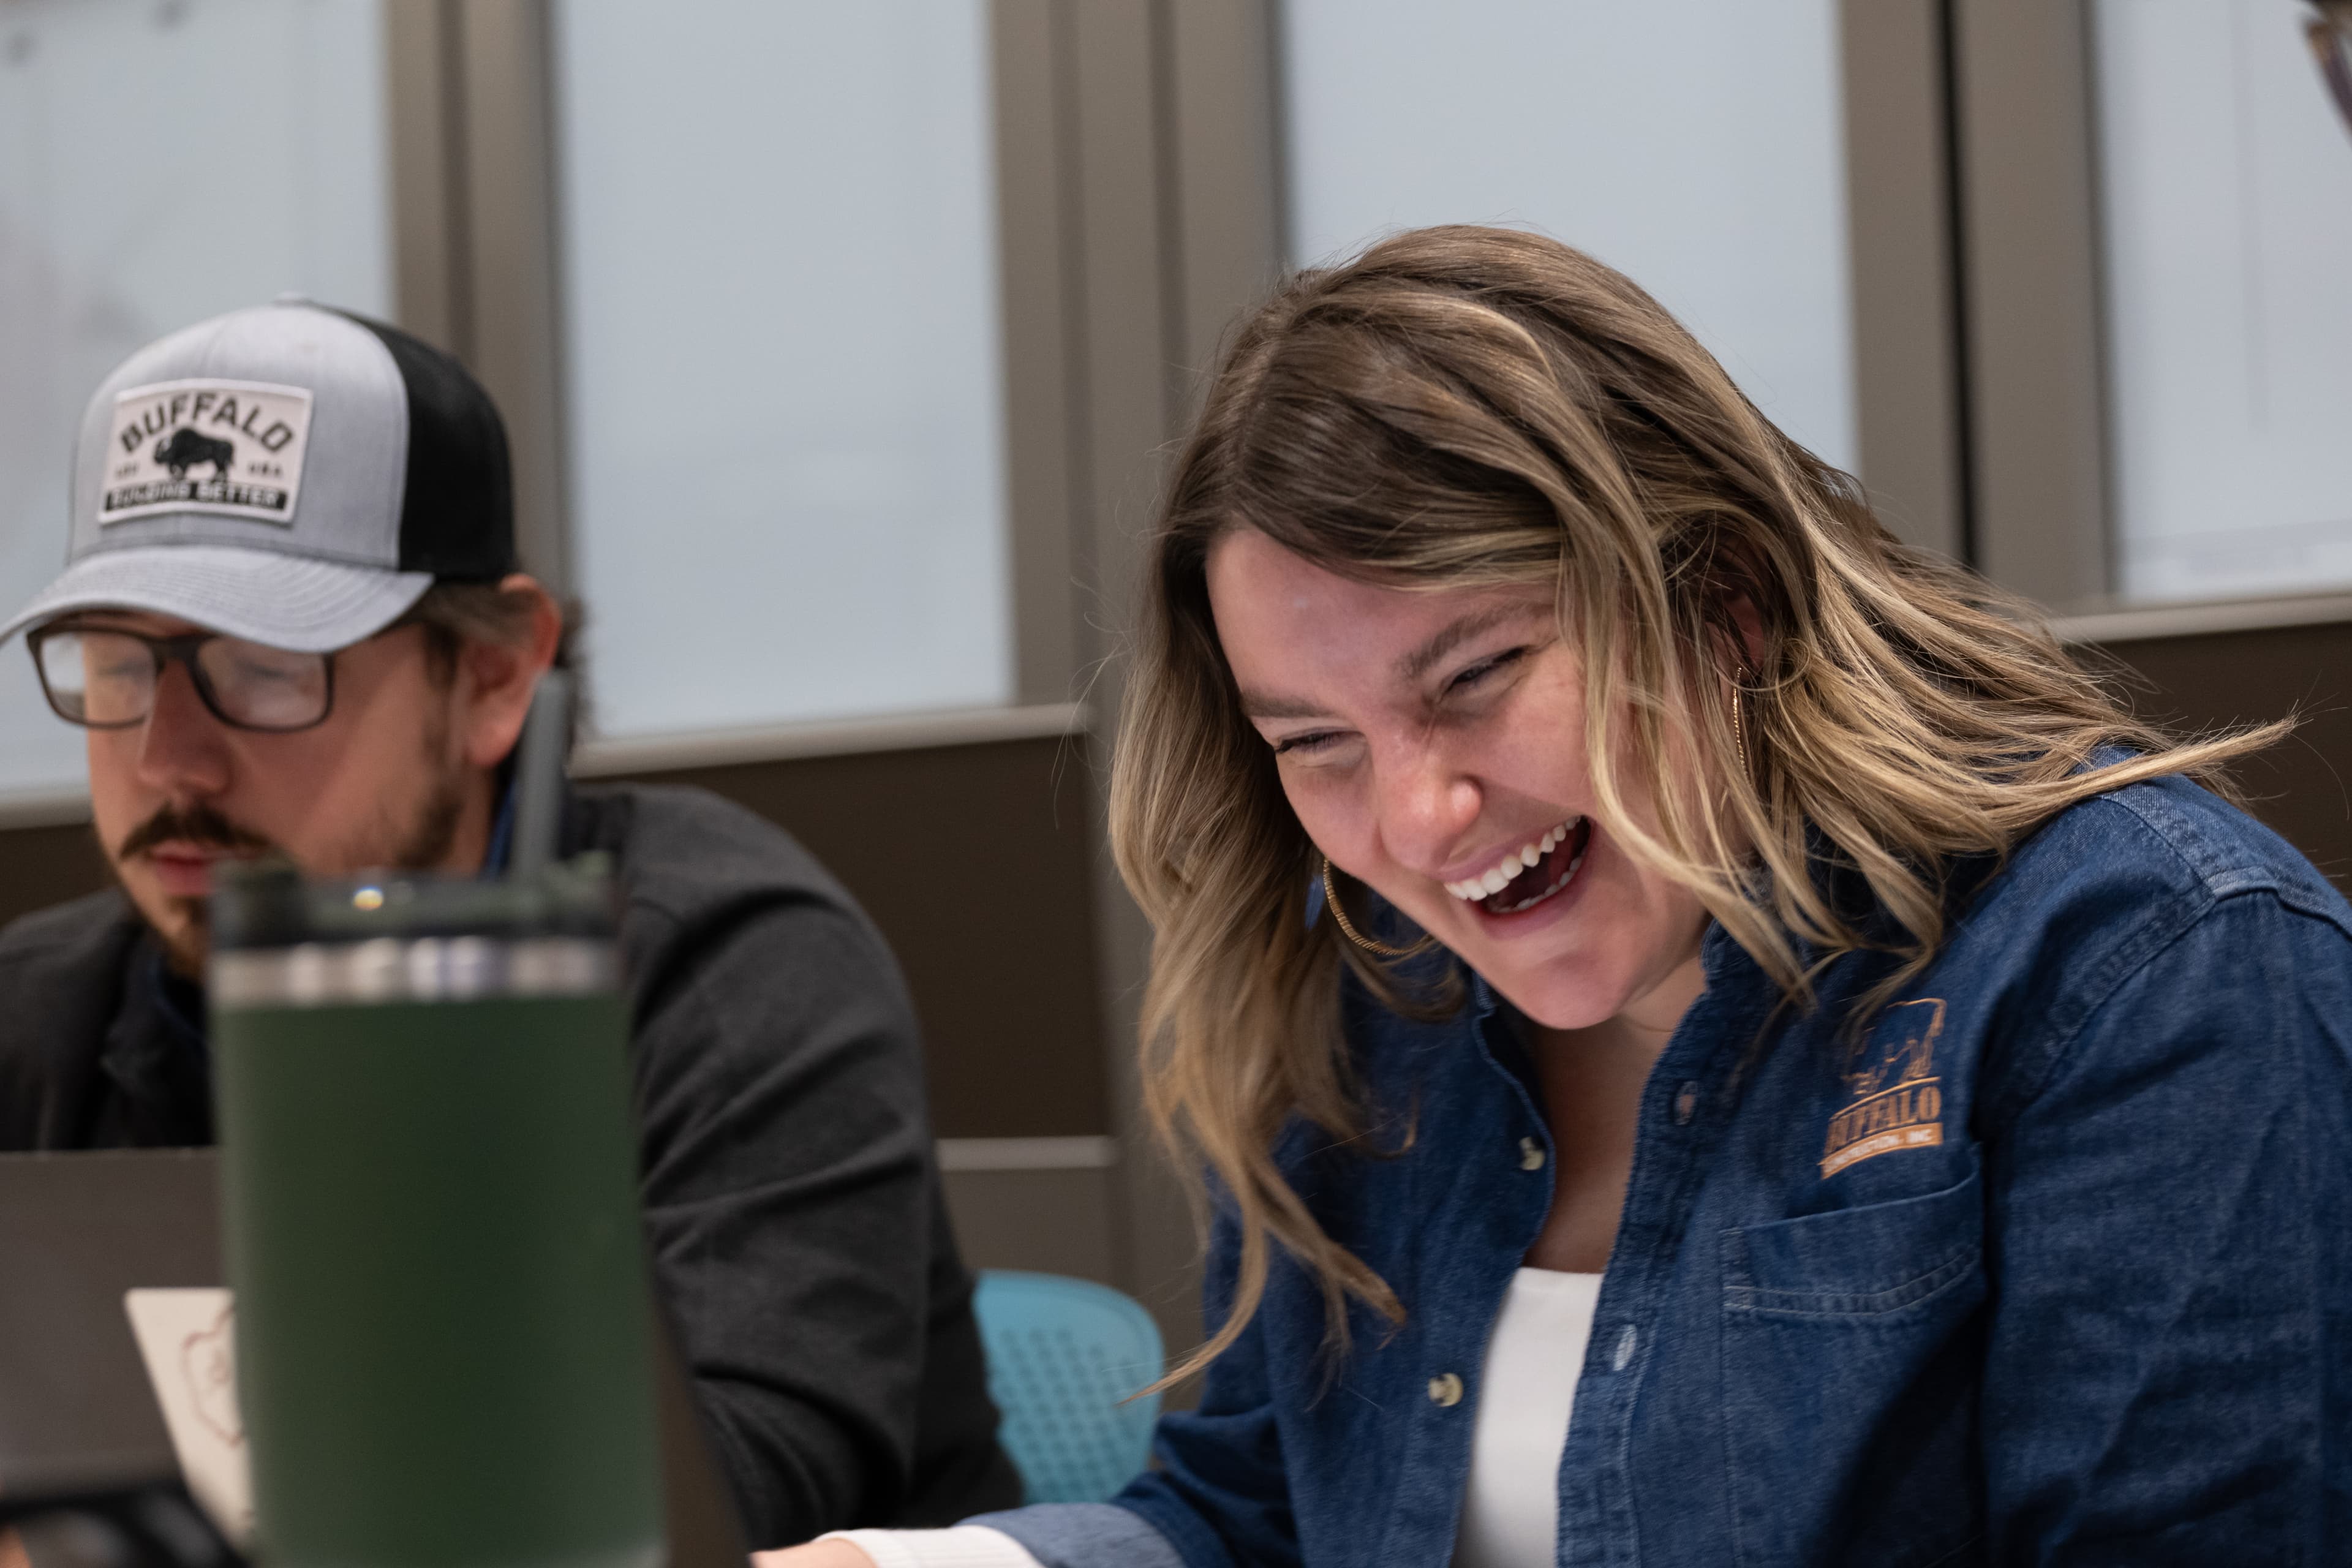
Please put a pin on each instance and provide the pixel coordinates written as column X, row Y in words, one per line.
column 186, row 939
column 184, row 930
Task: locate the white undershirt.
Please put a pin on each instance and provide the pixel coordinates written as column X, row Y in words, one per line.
column 1510, row 1511
column 965, row 1546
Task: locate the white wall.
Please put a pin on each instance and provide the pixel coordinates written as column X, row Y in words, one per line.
column 161, row 160
column 2228, row 217
column 1695, row 145
column 784, row 386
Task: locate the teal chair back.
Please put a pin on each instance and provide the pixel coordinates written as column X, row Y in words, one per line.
column 1063, row 1357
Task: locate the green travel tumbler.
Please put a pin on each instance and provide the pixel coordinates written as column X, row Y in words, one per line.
column 429, row 1200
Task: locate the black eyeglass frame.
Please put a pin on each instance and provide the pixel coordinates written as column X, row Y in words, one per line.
column 181, row 650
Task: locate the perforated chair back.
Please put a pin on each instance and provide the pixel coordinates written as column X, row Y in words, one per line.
column 1062, row 1355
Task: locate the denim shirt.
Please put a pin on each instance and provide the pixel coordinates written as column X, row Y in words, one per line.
column 2053, row 1264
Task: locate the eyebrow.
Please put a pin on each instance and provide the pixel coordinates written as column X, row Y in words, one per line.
column 1411, row 668
column 1417, row 663
column 1259, row 705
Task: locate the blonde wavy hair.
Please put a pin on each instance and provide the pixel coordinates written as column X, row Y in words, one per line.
column 1468, row 407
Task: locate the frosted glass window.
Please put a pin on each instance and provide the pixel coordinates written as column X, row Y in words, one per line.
column 161, row 160
column 2228, row 209
column 1694, row 145
column 784, row 404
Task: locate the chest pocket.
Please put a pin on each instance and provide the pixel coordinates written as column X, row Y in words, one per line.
column 1852, row 1344
column 1858, row 1262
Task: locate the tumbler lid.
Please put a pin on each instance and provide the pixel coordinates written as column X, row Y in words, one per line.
column 268, row 903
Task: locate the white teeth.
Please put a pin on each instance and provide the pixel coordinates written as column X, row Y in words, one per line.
column 1565, row 878
column 1524, row 859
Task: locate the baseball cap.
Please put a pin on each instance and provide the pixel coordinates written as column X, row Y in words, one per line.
column 290, row 474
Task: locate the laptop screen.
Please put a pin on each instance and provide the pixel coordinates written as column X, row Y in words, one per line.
column 78, row 1410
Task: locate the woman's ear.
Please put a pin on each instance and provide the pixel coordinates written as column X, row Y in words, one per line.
column 497, row 678
column 1750, row 627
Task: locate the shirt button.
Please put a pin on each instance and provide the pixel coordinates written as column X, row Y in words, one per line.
column 1444, row 1390
column 1626, row 1343
column 1531, row 1154
column 1686, row 1104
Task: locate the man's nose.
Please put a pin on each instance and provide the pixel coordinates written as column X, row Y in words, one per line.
column 1426, row 802
column 181, row 748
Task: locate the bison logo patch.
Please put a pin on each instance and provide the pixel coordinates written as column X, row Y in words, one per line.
column 1894, row 1098
column 229, row 447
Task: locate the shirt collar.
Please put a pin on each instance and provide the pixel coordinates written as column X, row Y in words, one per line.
column 494, row 862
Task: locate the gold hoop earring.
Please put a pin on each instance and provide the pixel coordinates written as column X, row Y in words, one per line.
column 1347, row 928
column 1739, row 730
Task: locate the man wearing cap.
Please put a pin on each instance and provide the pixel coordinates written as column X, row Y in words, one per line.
column 292, row 619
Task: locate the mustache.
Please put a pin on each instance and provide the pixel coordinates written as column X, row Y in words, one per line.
column 198, row 824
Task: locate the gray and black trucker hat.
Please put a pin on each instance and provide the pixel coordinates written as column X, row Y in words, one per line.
column 290, row 474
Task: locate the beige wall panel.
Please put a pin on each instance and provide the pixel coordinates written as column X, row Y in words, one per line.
column 2030, row 268
column 1053, row 1222
column 1122, row 283
column 1035, row 244
column 1898, row 196
column 47, row 865
column 2198, row 683
column 509, row 254
column 418, row 51
column 977, row 863
column 986, row 902
column 1226, row 163
column 1176, row 214
column 1219, row 160
column 1125, row 316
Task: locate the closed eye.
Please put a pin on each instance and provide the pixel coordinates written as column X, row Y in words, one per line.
column 1485, row 668
column 1301, row 745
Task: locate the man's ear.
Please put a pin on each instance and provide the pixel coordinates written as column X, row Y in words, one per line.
column 497, row 678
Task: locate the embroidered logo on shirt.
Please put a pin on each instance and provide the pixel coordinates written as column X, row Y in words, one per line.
column 228, row 447
column 1895, row 1100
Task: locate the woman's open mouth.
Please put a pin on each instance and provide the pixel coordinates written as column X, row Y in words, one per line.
column 1538, row 870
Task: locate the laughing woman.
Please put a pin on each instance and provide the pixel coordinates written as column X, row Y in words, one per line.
column 1634, row 939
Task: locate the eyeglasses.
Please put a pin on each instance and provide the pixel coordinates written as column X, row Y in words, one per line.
column 102, row 678
column 2330, row 32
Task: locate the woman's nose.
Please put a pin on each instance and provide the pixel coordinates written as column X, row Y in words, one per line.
column 1426, row 802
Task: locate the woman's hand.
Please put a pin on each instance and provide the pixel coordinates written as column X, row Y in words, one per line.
column 815, row 1554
